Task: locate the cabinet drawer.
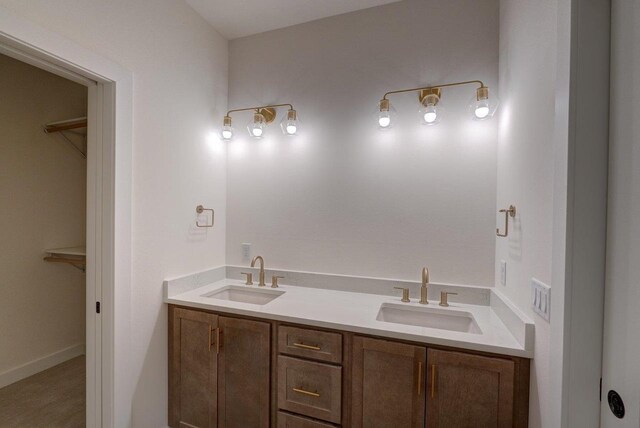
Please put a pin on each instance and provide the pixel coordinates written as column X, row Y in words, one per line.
column 286, row 420
column 310, row 388
column 313, row 344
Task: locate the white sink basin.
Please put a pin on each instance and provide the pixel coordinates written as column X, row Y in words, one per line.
column 443, row 319
column 237, row 293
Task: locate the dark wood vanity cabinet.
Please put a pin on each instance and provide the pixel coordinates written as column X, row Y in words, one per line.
column 219, row 371
column 244, row 373
column 387, row 384
column 467, row 390
column 232, row 372
column 193, row 366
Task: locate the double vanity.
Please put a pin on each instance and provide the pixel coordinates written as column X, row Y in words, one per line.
column 245, row 355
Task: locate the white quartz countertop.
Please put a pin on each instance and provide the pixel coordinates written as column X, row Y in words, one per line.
column 357, row 312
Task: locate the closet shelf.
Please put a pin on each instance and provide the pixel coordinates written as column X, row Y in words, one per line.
column 75, row 256
column 66, row 125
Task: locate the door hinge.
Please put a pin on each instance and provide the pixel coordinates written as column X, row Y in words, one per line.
column 97, row 307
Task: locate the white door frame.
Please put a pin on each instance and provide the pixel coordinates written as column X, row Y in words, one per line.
column 108, row 207
column 580, row 209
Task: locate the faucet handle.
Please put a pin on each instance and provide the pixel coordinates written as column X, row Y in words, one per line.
column 274, row 280
column 405, row 294
column 249, row 277
column 444, row 295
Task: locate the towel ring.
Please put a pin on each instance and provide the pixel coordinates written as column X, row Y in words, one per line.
column 200, row 209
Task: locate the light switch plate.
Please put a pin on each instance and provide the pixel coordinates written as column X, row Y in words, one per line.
column 503, row 272
column 541, row 298
column 246, row 251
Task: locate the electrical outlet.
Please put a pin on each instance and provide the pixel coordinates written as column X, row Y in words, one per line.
column 541, row 298
column 246, row 251
column 503, row 272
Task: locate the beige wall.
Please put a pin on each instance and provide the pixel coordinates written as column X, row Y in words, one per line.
column 42, row 205
column 344, row 197
column 179, row 67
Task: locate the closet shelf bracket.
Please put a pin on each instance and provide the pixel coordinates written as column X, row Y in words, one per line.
column 71, row 125
column 75, row 256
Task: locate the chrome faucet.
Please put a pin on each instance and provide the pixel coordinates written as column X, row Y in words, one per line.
column 425, row 285
column 253, row 264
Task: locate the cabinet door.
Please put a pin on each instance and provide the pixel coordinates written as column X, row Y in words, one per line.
column 466, row 390
column 192, row 369
column 388, row 384
column 244, row 372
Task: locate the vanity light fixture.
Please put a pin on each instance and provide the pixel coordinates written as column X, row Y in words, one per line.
column 227, row 129
column 262, row 116
column 430, row 110
column 385, row 113
column 481, row 106
column 290, row 124
column 256, row 128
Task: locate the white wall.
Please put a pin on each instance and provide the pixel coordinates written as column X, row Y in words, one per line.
column 43, row 200
column 344, row 197
column 526, row 168
column 179, row 65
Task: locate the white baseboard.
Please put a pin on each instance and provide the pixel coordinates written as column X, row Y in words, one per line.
column 44, row 363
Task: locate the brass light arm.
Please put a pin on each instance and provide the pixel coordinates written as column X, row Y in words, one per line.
column 260, row 108
column 446, row 85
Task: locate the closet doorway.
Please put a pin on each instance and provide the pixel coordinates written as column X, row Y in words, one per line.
column 43, row 189
column 109, row 390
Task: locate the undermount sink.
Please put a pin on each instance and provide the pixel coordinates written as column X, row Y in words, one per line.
column 236, row 293
column 443, row 319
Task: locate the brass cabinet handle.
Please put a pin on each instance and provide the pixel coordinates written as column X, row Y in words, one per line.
column 303, row 346
column 218, row 339
column 433, row 380
column 302, row 391
column 419, row 377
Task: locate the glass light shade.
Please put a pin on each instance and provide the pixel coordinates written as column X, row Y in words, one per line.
column 385, row 114
column 257, row 128
column 482, row 106
column 227, row 133
column 227, row 130
column 431, row 110
column 290, row 124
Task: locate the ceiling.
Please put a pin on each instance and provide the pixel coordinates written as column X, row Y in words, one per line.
column 239, row 18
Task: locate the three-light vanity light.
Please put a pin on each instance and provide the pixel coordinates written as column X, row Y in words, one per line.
column 481, row 106
column 262, row 116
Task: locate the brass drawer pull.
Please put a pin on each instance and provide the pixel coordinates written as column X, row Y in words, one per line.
column 419, row 377
column 302, row 391
column 303, row 346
